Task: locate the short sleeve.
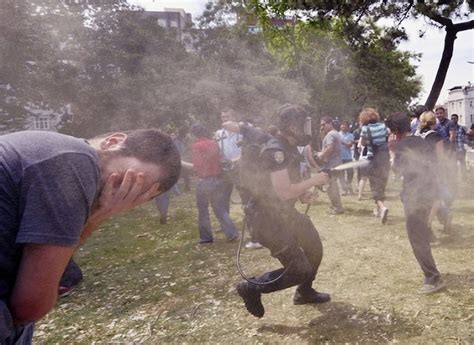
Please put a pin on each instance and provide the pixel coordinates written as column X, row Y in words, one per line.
column 56, row 197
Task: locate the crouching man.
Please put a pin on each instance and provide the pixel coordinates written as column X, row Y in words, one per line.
column 54, row 191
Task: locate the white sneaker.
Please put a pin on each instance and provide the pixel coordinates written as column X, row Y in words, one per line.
column 253, row 245
column 376, row 212
column 384, row 215
column 430, row 288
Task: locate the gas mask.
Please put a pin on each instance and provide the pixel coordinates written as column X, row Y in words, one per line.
column 303, row 134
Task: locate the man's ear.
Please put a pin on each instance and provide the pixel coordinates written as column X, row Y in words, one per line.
column 113, row 141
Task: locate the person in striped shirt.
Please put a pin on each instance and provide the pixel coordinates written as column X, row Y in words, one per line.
column 374, row 135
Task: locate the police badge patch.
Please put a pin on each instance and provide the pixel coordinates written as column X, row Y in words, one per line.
column 279, row 157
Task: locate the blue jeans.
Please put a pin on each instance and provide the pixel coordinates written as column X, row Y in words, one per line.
column 211, row 190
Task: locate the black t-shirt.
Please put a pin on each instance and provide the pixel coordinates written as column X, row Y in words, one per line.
column 413, row 160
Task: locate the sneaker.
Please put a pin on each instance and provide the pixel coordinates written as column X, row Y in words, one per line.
column 64, row 291
column 252, row 299
column 334, row 211
column 384, row 215
column 206, row 242
column 312, row 296
column 376, row 212
column 163, row 220
column 430, row 288
column 253, row 245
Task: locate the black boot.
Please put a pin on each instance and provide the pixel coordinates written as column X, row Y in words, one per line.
column 310, row 296
column 252, row 299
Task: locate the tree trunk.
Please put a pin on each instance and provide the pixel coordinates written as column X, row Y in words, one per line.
column 443, row 67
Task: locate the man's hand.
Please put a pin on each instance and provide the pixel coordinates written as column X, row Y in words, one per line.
column 129, row 194
column 309, row 197
column 117, row 199
column 320, row 179
column 231, row 126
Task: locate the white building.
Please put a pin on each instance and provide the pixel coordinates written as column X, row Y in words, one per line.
column 47, row 119
column 461, row 102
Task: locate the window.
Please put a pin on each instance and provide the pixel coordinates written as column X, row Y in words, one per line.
column 42, row 122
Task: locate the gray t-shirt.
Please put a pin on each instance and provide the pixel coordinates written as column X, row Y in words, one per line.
column 48, row 183
column 333, row 138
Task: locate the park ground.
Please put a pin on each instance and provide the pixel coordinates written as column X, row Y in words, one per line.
column 151, row 283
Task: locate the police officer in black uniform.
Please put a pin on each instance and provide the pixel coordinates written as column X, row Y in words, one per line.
column 275, row 185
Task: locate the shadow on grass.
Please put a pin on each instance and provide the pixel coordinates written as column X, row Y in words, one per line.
column 343, row 322
column 459, row 237
column 459, row 281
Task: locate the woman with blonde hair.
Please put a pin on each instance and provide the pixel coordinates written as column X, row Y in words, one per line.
column 427, row 131
column 374, row 135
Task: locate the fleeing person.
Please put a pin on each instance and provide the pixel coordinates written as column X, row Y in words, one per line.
column 276, row 184
column 374, row 135
column 55, row 191
column 414, row 161
column 210, row 187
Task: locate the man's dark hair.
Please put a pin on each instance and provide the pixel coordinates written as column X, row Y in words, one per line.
column 156, row 147
column 290, row 114
column 200, row 131
column 398, row 123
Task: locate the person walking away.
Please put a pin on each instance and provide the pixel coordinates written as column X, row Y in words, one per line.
column 210, row 187
column 413, row 160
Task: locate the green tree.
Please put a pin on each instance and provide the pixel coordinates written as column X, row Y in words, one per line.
column 440, row 14
column 33, row 68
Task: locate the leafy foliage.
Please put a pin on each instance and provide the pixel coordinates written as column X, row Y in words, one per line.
column 356, row 18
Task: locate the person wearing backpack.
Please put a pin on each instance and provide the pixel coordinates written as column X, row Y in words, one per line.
column 413, row 159
column 272, row 176
column 374, row 135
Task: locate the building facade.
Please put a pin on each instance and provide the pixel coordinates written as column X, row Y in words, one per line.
column 461, row 102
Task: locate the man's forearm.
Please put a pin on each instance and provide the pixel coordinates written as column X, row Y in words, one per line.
column 92, row 224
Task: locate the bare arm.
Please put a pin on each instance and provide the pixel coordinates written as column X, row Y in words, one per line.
column 327, row 151
column 36, row 287
column 286, row 190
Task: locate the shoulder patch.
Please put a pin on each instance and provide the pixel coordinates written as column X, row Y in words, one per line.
column 279, row 156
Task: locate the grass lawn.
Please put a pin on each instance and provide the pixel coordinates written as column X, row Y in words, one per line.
column 151, row 283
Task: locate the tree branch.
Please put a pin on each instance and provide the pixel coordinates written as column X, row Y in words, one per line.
column 464, row 26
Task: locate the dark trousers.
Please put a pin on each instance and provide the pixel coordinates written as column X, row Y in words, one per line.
column 378, row 175
column 291, row 238
column 419, row 234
